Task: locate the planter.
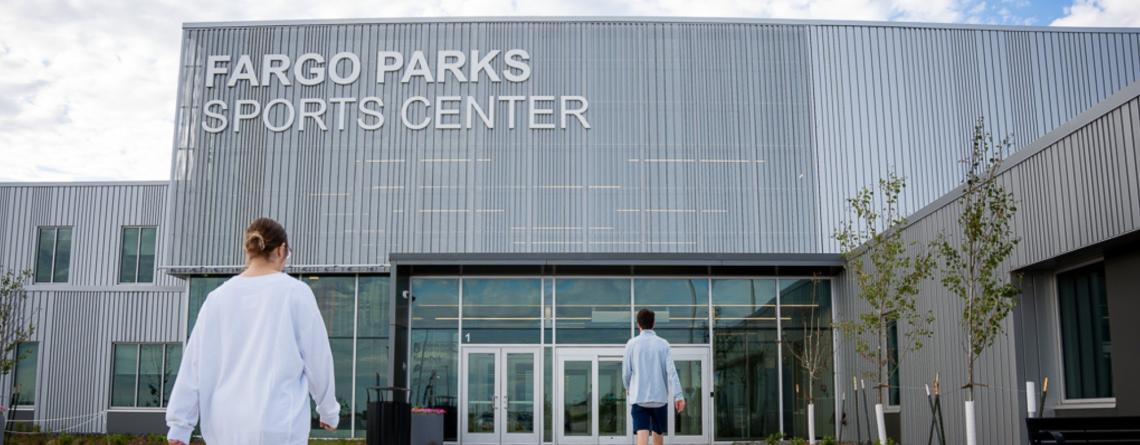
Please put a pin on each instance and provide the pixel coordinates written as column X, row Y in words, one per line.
column 427, row 429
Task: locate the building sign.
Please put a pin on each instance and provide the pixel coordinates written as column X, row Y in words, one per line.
column 290, row 111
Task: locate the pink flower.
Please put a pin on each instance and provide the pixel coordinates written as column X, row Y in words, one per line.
column 424, row 410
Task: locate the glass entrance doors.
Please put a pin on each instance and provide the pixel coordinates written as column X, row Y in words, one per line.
column 591, row 405
column 499, row 391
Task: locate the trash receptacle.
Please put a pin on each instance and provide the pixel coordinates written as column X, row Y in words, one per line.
column 389, row 417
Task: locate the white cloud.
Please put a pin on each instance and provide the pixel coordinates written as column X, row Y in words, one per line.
column 87, row 88
column 1101, row 13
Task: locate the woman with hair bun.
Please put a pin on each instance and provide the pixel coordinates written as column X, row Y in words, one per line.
column 258, row 351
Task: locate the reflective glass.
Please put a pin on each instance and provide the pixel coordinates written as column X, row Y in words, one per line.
column 146, row 255
column 124, row 375
column 371, row 343
column 150, row 375
column 45, row 254
column 805, row 309
column 129, row 255
column 520, row 393
column 62, row 255
column 24, row 380
column 577, row 405
column 336, row 299
column 680, row 306
column 689, row 421
column 200, row 288
column 481, row 392
column 502, row 310
column 170, row 373
column 434, row 357
column 612, row 409
column 1086, row 343
column 547, row 395
column 592, row 311
column 745, row 361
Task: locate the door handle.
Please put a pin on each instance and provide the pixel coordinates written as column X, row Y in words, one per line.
column 494, row 402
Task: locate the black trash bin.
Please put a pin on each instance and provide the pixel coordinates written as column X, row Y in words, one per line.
column 389, row 417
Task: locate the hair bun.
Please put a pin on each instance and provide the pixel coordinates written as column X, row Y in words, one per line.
column 263, row 236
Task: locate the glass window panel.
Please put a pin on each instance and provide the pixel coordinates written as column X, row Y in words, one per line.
column 690, row 421
column 547, row 395
column 548, row 311
column 481, row 393
column 200, row 288
column 745, row 362
column 336, row 298
column 62, row 255
column 681, row 307
column 371, row 370
column 893, row 357
column 146, row 255
column 125, row 373
column 434, row 367
column 592, row 311
column 502, row 310
column 170, row 372
column 520, row 393
column 805, row 306
column 612, row 409
column 24, row 380
column 45, row 254
column 372, row 321
column 150, row 375
column 1085, row 339
column 129, row 255
column 577, row 404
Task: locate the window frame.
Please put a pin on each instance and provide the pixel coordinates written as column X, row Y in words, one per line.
column 163, row 403
column 1059, row 348
column 15, row 375
column 54, row 254
column 138, row 253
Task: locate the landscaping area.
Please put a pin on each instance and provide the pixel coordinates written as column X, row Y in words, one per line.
column 124, row 439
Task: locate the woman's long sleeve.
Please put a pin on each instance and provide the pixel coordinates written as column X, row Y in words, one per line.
column 313, row 341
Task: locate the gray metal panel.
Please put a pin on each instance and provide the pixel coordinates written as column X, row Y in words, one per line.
column 96, row 212
column 828, row 107
column 1078, row 191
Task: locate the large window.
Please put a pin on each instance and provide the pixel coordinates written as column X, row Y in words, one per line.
column 1085, row 339
column 502, row 310
column 336, row 298
column 144, row 374
column 681, row 307
column 24, row 378
column 805, row 311
column 593, row 310
column 136, row 255
column 200, row 287
column 745, row 358
column 893, row 395
column 434, row 367
column 53, row 254
column 372, row 328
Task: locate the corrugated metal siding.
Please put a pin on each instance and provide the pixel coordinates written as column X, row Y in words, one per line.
column 97, row 214
column 1077, row 192
column 826, row 107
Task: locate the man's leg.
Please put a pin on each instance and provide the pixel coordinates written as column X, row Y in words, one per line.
column 658, row 439
column 643, row 438
column 660, row 424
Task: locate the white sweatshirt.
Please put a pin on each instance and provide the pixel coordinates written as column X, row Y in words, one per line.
column 257, row 352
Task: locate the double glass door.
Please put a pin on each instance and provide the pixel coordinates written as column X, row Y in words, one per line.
column 591, row 405
column 500, row 395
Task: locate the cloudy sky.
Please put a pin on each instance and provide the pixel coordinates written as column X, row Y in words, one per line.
column 87, row 86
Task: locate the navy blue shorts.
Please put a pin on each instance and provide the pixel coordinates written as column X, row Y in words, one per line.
column 652, row 419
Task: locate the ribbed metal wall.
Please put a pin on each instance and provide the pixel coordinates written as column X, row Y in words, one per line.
column 1076, row 188
column 79, row 321
column 707, row 136
column 96, row 212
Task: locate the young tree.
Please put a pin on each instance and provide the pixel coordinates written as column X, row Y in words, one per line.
column 813, row 354
column 15, row 325
column 887, row 274
column 971, row 261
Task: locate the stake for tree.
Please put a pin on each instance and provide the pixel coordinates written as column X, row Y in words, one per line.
column 1044, row 394
column 866, row 412
column 858, row 424
column 842, row 414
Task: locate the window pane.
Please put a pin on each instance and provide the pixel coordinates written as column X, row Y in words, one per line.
column 1085, row 339
column 24, row 380
column 592, row 311
column 372, row 321
column 336, row 297
column 129, row 255
column 547, row 394
column 45, row 254
column 123, row 382
column 745, row 362
column 62, row 255
column 150, row 375
column 893, row 357
column 681, row 307
column 805, row 310
column 170, row 373
column 200, row 288
column 502, row 310
column 146, row 255
column 434, row 367
column 371, row 370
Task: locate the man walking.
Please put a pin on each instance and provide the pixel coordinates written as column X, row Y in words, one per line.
column 647, row 372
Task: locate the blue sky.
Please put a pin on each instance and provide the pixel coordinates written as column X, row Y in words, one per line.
column 87, row 87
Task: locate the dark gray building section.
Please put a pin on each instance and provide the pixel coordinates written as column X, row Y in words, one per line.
column 1078, row 193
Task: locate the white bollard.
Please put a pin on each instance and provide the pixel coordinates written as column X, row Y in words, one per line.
column 971, row 427
column 881, row 422
column 811, row 423
column 1031, row 398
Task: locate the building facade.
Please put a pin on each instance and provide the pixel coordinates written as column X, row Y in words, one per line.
column 480, row 205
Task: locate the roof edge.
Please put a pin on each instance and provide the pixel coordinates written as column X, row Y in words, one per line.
column 643, row 19
column 81, row 183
